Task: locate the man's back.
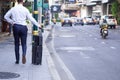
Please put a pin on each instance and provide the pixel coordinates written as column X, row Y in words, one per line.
column 19, row 14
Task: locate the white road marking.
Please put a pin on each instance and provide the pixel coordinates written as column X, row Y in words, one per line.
column 67, row 35
column 77, row 48
column 102, row 42
column 112, row 47
column 70, row 51
column 84, row 56
column 64, row 30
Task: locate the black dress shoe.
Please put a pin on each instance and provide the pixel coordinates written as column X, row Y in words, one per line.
column 17, row 62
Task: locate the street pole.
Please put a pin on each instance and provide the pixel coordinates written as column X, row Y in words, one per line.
column 36, row 39
column 42, row 11
column 42, row 17
column 35, row 14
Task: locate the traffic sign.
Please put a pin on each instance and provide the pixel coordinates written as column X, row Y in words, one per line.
column 39, row 4
column 45, row 5
column 55, row 8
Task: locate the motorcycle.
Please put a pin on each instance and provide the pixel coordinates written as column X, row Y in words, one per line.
column 104, row 31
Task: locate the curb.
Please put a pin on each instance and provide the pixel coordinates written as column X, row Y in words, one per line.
column 51, row 66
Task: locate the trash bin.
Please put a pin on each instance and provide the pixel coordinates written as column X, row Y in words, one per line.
column 37, row 49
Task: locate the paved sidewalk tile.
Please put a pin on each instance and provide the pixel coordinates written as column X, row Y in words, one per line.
column 26, row 71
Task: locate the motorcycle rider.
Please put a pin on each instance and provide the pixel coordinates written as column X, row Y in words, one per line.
column 102, row 25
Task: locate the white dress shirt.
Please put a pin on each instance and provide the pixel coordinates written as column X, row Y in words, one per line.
column 18, row 15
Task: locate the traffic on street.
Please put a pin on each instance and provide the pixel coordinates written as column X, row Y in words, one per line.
column 80, row 53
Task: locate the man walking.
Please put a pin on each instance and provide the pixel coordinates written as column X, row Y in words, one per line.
column 17, row 16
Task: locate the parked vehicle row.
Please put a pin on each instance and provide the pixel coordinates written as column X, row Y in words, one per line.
column 78, row 21
column 110, row 20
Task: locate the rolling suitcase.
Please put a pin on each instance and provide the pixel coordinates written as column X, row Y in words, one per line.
column 37, row 49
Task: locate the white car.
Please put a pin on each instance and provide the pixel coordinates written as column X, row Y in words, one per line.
column 110, row 20
column 89, row 20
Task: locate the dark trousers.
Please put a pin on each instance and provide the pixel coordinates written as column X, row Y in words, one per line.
column 20, row 37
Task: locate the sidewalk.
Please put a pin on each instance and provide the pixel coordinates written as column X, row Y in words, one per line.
column 3, row 35
column 11, row 71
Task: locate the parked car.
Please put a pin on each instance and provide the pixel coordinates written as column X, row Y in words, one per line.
column 96, row 19
column 73, row 19
column 65, row 21
column 78, row 21
column 89, row 20
column 110, row 19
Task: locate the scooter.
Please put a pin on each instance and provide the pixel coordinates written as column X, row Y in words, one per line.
column 104, row 31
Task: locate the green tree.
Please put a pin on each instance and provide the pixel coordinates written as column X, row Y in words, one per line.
column 116, row 10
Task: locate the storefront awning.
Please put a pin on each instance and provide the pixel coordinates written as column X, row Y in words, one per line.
column 105, row 1
column 96, row 0
column 70, row 11
column 97, row 11
column 91, row 4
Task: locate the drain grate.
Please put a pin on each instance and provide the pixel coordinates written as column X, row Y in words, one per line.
column 8, row 75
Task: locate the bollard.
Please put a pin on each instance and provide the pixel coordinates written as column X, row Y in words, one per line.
column 37, row 48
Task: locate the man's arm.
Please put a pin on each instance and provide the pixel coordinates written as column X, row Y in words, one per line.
column 29, row 16
column 7, row 17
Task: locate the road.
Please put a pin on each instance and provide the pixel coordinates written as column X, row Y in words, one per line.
column 80, row 53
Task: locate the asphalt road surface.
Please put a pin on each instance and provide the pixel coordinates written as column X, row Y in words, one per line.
column 84, row 54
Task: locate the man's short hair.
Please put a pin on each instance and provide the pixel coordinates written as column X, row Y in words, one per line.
column 19, row 1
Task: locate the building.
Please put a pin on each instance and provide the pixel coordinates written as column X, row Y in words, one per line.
column 102, row 7
column 79, row 8
column 82, row 8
